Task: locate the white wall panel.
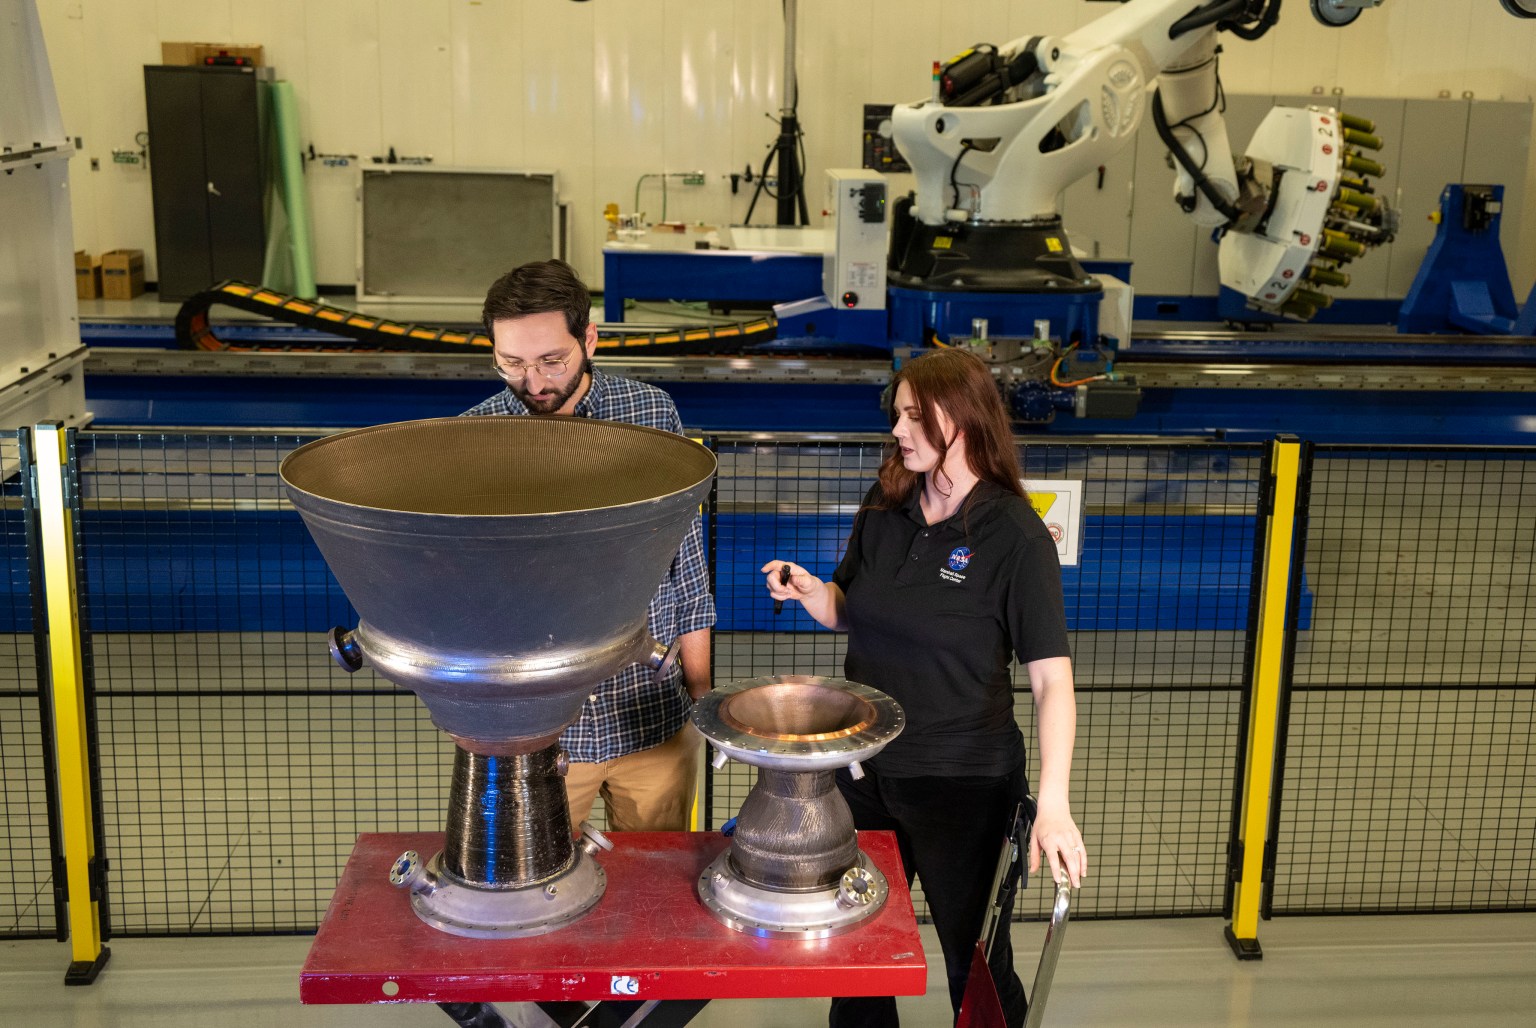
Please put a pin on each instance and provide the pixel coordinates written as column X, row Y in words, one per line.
column 1052, row 17
column 1414, row 50
column 961, row 26
column 271, row 23
column 629, row 116
column 758, row 32
column 1305, row 54
column 834, row 86
column 415, row 78
column 343, row 113
column 698, row 109
column 1365, row 62
column 64, row 35
column 900, row 70
column 196, row 21
column 1504, row 60
column 1249, row 66
column 559, row 112
column 486, row 67
column 605, row 91
column 120, row 38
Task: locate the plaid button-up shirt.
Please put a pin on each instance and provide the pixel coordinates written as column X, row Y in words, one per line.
column 629, row 712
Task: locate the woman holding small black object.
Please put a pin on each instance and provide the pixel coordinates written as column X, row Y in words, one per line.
column 948, row 576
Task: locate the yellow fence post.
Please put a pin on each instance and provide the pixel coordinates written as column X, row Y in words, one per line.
column 67, row 675
column 1264, row 705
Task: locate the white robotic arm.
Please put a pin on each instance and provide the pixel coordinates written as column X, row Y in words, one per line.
column 1009, row 128
column 1055, row 109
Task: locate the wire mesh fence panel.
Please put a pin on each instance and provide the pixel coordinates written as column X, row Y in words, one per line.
column 238, row 763
column 1158, row 610
column 26, row 894
column 785, row 501
column 1408, row 763
column 1157, row 607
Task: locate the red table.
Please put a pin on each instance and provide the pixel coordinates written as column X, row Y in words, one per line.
column 649, row 938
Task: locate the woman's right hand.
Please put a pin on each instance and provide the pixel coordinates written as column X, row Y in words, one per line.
column 801, row 584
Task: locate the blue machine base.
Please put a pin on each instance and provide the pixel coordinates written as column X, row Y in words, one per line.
column 918, row 314
column 1463, row 283
column 816, row 323
column 719, row 276
column 1230, row 306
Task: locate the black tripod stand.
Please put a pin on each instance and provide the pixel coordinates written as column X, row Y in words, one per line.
column 791, row 192
column 786, row 149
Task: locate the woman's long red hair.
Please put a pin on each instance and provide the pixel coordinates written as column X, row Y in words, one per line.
column 961, row 385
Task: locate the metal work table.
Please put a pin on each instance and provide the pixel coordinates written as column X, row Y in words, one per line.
column 649, row 938
column 1321, row 400
column 1225, row 373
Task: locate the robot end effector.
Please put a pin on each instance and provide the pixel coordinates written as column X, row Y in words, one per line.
column 1294, row 210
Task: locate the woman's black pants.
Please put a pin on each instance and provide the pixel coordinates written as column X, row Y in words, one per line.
column 950, row 830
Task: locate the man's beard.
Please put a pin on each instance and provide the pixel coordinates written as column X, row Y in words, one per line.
column 549, row 404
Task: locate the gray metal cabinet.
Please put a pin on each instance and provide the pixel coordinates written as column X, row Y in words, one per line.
column 208, row 143
column 1162, row 236
column 1498, row 142
column 1435, row 134
column 1096, row 209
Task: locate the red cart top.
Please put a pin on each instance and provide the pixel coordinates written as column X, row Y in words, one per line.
column 649, row 937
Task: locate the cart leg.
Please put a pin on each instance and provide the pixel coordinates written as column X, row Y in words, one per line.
column 475, row 1015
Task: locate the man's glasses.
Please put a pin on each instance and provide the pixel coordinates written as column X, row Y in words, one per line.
column 549, row 367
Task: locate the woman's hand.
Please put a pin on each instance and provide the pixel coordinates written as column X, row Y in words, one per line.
column 801, row 584
column 1055, row 834
column 823, row 601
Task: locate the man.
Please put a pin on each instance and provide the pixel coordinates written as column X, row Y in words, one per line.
column 632, row 743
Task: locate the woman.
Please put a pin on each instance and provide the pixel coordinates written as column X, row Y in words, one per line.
column 949, row 575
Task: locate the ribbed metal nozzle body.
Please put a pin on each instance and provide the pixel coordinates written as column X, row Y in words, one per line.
column 794, row 832
column 508, row 826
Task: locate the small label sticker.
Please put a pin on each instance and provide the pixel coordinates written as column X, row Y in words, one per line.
column 942, row 242
column 1053, row 244
column 624, row 985
column 1059, row 502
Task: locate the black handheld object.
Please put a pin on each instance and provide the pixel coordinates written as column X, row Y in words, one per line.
column 778, row 605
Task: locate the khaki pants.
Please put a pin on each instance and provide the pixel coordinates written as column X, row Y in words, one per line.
column 648, row 791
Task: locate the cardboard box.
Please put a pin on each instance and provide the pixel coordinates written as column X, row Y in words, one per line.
column 87, row 276
column 122, row 274
column 200, row 53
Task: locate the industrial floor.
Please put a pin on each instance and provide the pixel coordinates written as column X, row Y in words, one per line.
column 1476, row 970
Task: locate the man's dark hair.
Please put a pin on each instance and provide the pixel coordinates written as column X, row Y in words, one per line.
column 538, row 288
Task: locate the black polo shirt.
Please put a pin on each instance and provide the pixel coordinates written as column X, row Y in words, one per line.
column 936, row 614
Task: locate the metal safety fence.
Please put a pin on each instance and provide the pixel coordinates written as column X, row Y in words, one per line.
column 237, row 765
column 1408, row 761
column 28, row 905
column 1158, row 607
